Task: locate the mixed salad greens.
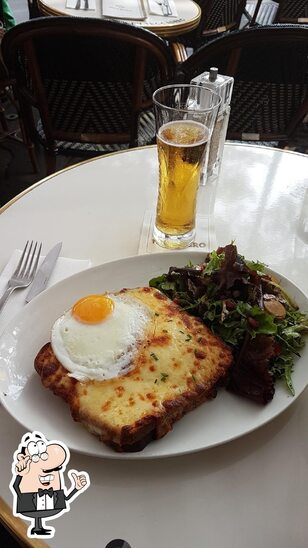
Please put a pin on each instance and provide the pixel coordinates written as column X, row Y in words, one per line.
column 248, row 309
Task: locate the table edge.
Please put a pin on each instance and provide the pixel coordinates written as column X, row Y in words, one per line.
column 17, row 527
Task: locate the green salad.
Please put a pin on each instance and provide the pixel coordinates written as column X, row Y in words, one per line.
column 249, row 310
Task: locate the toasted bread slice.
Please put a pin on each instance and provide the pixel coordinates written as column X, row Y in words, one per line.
column 176, row 368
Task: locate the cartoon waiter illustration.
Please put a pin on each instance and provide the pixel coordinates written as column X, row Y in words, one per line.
column 38, row 485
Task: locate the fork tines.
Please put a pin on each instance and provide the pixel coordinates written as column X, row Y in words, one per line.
column 29, row 259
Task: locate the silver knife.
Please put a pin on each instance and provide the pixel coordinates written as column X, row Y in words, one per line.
column 44, row 272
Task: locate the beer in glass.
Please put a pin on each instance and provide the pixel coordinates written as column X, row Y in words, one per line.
column 184, row 126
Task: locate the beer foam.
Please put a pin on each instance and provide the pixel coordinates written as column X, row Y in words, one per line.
column 184, row 133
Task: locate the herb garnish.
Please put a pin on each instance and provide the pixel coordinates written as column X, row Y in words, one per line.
column 154, row 356
column 163, row 377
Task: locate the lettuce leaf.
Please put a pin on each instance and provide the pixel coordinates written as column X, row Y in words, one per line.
column 226, row 292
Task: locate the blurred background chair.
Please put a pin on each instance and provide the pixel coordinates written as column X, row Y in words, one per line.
column 217, row 17
column 261, row 12
column 264, row 12
column 270, row 68
column 9, row 109
column 292, row 11
column 91, row 84
column 5, row 96
column 33, row 9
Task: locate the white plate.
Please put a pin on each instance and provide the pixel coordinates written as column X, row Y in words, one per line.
column 221, row 420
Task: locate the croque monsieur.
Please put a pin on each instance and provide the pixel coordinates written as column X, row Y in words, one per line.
column 131, row 364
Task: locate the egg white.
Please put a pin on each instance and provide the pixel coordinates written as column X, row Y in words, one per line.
column 104, row 350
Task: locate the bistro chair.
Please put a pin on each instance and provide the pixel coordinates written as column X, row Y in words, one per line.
column 270, row 69
column 91, row 82
column 217, row 17
column 7, row 99
column 261, row 12
column 292, row 11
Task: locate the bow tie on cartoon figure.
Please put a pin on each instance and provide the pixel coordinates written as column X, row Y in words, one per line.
column 38, row 484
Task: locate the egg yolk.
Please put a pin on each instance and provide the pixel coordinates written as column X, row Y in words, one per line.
column 92, row 309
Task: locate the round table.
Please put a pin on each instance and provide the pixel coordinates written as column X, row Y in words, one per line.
column 249, row 492
column 189, row 14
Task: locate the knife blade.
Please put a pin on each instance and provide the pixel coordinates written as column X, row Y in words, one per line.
column 44, row 272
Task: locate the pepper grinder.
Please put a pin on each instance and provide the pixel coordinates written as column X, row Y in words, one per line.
column 223, row 85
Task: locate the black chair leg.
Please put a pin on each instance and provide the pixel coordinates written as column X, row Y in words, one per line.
column 50, row 162
column 30, row 146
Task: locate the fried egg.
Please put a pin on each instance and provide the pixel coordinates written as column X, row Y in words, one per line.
column 98, row 337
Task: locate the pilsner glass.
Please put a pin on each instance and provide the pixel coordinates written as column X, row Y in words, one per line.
column 185, row 117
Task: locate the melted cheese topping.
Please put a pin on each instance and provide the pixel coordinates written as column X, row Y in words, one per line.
column 178, row 353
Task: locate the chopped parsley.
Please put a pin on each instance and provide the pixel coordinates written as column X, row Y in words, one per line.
column 164, row 377
column 154, row 356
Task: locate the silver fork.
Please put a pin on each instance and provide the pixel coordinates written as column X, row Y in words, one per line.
column 25, row 270
column 165, row 7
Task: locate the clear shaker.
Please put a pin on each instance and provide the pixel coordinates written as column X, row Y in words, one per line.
column 223, row 86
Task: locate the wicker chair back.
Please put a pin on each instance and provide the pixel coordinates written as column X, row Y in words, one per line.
column 90, row 80
column 292, row 11
column 217, row 17
column 270, row 68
